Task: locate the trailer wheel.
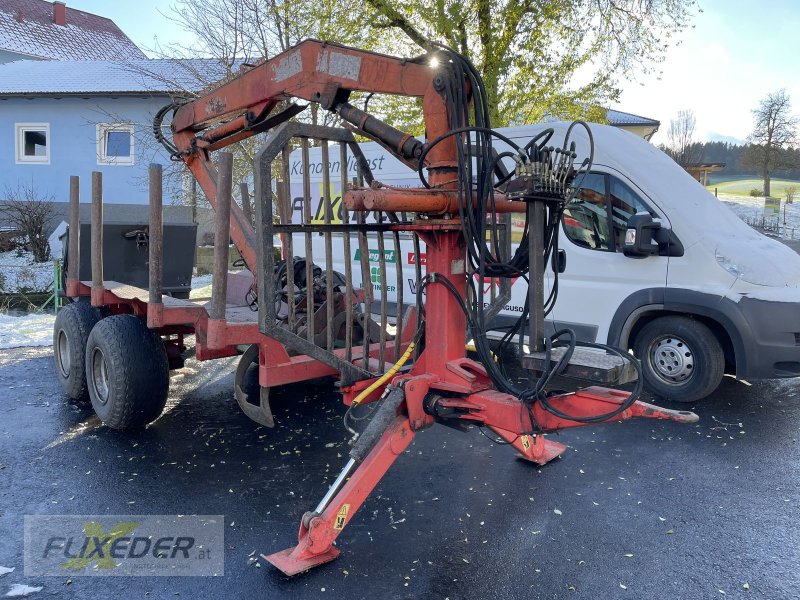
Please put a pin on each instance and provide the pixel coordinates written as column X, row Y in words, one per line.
column 249, row 395
column 127, row 372
column 682, row 360
column 71, row 330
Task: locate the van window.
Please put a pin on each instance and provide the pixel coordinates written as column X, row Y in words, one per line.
column 586, row 217
column 624, row 204
column 598, row 216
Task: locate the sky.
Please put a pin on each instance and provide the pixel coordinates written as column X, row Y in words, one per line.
column 736, row 53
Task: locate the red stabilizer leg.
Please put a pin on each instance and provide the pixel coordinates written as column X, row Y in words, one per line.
column 535, row 448
column 318, row 532
column 309, row 553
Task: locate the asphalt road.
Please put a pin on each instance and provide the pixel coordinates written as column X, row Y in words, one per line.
column 646, row 509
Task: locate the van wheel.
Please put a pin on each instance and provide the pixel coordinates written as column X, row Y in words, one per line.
column 71, row 330
column 682, row 359
column 127, row 372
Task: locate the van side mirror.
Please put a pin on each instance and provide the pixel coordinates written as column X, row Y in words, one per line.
column 639, row 241
column 645, row 237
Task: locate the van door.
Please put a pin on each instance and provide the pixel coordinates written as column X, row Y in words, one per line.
column 598, row 276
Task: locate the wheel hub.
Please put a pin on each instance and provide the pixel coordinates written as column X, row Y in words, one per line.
column 672, row 359
column 64, row 359
column 99, row 373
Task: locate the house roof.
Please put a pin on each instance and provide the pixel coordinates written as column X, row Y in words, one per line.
column 106, row 77
column 29, row 27
column 618, row 118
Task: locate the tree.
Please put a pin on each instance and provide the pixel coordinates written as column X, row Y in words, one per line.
column 775, row 131
column 236, row 34
column 240, row 32
column 532, row 53
column 682, row 146
column 26, row 210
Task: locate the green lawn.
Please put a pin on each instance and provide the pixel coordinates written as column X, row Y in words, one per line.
column 742, row 187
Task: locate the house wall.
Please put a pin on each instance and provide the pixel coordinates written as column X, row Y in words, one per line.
column 73, row 147
column 643, row 131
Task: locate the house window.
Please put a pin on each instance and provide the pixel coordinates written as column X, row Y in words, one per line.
column 114, row 144
column 33, row 143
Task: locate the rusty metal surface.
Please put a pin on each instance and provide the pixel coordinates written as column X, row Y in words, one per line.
column 155, row 238
column 74, row 248
column 333, row 312
column 222, row 235
column 124, row 291
column 97, row 236
column 313, row 71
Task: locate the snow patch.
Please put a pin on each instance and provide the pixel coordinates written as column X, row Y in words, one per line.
column 759, row 261
column 18, row 273
column 19, row 590
column 35, row 329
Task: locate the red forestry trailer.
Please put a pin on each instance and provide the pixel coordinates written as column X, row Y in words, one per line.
column 404, row 361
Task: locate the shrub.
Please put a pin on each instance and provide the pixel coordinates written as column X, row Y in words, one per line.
column 30, row 213
column 26, row 280
column 790, row 193
column 756, row 193
column 207, row 239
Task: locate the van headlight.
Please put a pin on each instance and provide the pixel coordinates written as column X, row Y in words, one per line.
column 728, row 265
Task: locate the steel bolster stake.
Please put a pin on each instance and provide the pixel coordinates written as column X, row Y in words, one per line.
column 97, row 239
column 74, row 247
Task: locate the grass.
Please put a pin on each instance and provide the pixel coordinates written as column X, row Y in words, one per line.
column 742, row 187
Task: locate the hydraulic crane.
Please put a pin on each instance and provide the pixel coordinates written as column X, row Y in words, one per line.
column 433, row 381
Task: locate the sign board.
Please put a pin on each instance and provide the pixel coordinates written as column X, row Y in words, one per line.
column 772, row 209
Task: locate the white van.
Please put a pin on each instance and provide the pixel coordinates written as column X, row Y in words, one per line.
column 713, row 297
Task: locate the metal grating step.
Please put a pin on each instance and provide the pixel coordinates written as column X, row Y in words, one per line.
column 585, row 363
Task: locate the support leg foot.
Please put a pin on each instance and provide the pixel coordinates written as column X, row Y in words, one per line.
column 535, row 448
column 290, row 562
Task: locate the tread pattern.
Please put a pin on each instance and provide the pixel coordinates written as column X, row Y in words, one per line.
column 77, row 320
column 138, row 372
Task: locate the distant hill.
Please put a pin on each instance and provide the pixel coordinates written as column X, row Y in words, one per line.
column 728, row 139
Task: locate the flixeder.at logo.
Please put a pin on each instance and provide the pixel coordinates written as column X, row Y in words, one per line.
column 147, row 545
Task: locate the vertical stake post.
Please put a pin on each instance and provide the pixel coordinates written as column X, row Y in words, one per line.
column 156, row 236
column 97, row 238
column 74, row 241
column 222, row 235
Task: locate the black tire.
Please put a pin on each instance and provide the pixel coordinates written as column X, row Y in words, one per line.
column 682, row 360
column 74, row 323
column 127, row 372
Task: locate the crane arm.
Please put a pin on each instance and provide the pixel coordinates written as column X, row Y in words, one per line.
column 313, row 71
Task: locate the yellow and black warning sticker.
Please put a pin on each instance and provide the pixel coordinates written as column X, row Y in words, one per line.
column 526, row 442
column 341, row 517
